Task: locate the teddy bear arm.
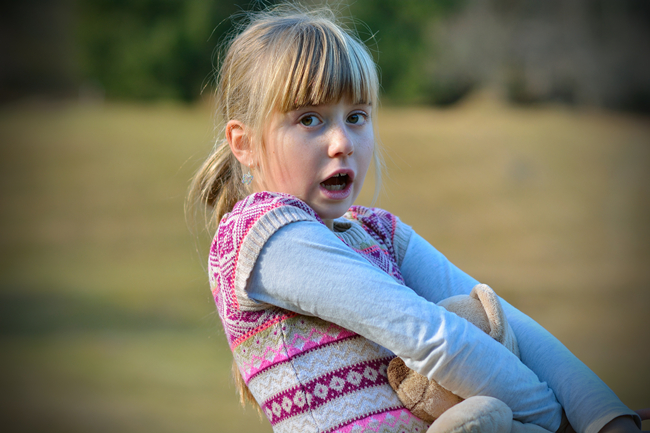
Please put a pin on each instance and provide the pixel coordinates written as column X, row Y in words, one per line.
column 409, row 385
column 397, row 372
column 424, row 398
column 437, row 400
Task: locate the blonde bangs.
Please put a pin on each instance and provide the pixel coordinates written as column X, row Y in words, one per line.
column 322, row 64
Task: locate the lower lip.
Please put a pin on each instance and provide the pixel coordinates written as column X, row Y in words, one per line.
column 337, row 195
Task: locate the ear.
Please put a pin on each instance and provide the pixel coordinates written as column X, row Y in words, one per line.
column 500, row 329
column 490, row 302
column 239, row 142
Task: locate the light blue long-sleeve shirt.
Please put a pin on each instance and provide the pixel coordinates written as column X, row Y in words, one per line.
column 305, row 268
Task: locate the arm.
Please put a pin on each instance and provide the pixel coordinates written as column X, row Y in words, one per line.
column 304, row 268
column 588, row 402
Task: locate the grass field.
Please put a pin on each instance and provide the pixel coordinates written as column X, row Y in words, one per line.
column 107, row 323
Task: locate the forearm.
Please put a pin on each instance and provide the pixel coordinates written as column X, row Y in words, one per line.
column 588, row 402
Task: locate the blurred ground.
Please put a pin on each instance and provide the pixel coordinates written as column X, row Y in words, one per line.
column 107, row 323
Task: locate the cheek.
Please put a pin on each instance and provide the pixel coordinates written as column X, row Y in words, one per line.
column 367, row 151
column 289, row 173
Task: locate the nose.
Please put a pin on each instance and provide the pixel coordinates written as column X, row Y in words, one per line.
column 340, row 143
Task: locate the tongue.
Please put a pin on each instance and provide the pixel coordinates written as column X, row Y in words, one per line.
column 335, row 180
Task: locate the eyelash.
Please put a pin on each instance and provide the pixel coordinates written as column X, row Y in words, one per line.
column 361, row 114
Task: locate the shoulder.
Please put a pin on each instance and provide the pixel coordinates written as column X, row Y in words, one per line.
column 383, row 226
column 242, row 233
column 263, row 212
column 258, row 216
column 256, row 205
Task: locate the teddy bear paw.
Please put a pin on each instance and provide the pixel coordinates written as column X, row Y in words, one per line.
column 475, row 415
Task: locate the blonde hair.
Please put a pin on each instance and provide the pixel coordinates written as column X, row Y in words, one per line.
column 285, row 58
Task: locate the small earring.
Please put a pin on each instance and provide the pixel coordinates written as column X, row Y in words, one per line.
column 247, row 178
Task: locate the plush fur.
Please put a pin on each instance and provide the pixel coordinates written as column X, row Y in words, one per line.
column 448, row 412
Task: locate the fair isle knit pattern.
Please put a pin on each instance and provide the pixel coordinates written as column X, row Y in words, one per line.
column 380, row 225
column 307, row 374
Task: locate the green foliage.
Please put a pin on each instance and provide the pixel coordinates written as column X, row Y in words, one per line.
column 146, row 49
column 152, row 49
column 399, row 28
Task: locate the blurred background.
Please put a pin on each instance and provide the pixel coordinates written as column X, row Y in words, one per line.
column 517, row 138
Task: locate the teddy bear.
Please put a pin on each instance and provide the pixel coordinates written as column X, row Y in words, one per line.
column 447, row 412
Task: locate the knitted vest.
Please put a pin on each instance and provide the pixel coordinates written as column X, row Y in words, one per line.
column 307, row 375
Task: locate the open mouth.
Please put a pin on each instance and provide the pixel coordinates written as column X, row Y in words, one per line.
column 338, row 182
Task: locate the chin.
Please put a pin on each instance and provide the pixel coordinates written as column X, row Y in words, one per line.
column 334, row 212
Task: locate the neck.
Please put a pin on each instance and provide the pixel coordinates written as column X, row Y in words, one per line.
column 329, row 224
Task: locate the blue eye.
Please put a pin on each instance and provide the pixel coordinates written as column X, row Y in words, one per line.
column 309, row 120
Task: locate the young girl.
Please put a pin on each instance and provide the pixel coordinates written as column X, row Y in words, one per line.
column 316, row 295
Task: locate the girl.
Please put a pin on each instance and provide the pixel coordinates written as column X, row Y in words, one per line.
column 316, row 296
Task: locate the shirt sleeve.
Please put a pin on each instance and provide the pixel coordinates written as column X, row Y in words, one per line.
column 588, row 402
column 305, row 268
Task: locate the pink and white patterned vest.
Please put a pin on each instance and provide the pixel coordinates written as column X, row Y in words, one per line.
column 307, row 375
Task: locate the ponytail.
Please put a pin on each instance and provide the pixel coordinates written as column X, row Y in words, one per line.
column 217, row 185
column 245, row 395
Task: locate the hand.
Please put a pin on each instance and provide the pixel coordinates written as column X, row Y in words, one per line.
column 644, row 413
